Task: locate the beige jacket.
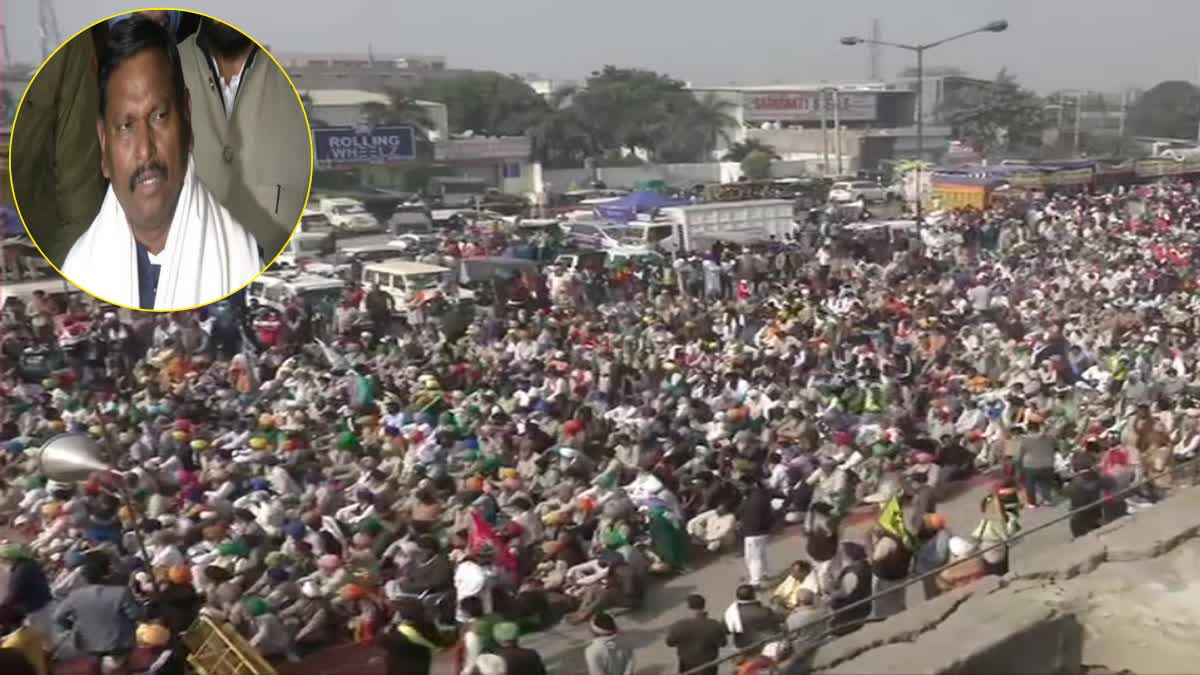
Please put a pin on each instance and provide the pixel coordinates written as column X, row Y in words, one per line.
column 257, row 161
column 55, row 151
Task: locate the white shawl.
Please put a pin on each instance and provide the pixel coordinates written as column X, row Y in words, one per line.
column 208, row 254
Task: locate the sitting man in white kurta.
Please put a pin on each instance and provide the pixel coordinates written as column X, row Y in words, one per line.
column 161, row 240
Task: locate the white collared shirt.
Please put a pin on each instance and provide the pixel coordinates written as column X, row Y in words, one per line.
column 228, row 87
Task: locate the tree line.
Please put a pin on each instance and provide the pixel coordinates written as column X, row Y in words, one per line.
column 617, row 110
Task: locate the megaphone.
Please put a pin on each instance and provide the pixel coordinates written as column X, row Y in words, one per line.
column 70, row 458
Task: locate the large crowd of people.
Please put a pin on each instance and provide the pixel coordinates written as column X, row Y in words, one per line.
column 429, row 490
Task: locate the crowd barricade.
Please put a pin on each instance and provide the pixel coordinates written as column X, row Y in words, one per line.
column 214, row 648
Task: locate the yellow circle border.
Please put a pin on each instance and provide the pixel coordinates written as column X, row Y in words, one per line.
column 307, row 193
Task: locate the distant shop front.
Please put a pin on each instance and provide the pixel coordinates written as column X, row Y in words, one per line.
column 502, row 162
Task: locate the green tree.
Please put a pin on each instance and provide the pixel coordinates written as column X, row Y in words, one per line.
column 739, row 151
column 402, row 110
column 562, row 137
column 1169, row 109
column 697, row 129
column 757, row 165
column 487, row 103
column 632, row 108
column 999, row 117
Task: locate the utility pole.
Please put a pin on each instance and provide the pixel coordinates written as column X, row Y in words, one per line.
column 837, row 130
column 48, row 27
column 876, row 51
column 824, row 135
column 920, row 207
column 1078, row 112
column 1124, row 114
column 998, row 26
column 1198, row 124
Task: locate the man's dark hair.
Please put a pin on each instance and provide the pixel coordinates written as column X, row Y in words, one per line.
column 695, row 602
column 130, row 38
column 96, row 567
column 472, row 606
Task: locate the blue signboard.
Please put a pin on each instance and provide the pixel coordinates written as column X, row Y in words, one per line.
column 363, row 145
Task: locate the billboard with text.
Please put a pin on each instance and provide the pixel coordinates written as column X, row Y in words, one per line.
column 805, row 106
column 348, row 146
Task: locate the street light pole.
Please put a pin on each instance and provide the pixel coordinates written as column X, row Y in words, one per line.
column 837, row 130
column 920, row 168
column 997, row 26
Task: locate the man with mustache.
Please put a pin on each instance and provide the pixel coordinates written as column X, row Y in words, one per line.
column 161, row 239
column 252, row 143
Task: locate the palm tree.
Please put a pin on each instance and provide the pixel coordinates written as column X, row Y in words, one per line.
column 739, row 151
column 710, row 119
column 401, row 110
column 563, row 135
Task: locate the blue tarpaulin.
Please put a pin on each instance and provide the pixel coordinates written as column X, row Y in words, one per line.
column 10, row 223
column 628, row 207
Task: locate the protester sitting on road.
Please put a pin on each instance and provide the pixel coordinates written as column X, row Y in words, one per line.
column 713, row 529
column 785, row 597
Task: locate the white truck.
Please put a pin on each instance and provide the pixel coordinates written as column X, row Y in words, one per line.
column 747, row 222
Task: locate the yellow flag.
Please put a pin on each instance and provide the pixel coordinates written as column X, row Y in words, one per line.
column 892, row 521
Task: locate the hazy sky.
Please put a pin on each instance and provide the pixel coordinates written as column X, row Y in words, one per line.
column 1097, row 44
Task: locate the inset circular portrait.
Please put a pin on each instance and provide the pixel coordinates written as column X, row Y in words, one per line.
column 160, row 159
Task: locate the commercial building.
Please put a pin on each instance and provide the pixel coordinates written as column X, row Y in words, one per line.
column 872, row 122
column 372, row 72
column 344, row 107
column 349, row 153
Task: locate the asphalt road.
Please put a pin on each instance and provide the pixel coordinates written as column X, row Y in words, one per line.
column 562, row 646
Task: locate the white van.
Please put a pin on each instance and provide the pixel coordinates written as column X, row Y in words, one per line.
column 406, row 281
column 348, row 215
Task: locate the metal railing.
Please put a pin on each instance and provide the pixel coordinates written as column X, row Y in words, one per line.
column 808, row 646
column 216, row 649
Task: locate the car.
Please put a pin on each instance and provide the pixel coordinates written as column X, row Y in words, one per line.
column 276, row 290
column 416, row 243
column 860, row 190
column 316, row 222
column 349, row 215
column 305, row 247
column 414, row 219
